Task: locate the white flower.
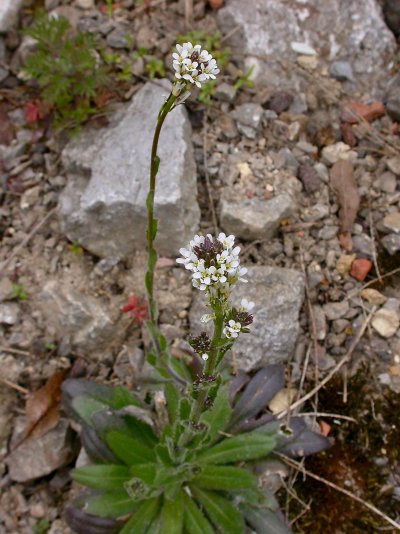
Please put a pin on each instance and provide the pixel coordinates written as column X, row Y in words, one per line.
column 204, row 357
column 193, row 65
column 232, row 329
column 246, row 305
column 214, row 263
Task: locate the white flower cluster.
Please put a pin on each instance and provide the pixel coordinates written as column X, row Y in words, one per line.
column 215, row 263
column 194, row 65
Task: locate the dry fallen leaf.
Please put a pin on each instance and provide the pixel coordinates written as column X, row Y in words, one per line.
column 42, row 407
column 344, row 185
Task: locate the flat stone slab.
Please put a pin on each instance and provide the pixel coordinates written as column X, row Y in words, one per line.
column 103, row 207
column 277, row 30
column 278, row 296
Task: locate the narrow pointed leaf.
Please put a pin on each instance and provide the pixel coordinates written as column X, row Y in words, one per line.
column 172, row 397
column 95, row 447
column 110, row 504
column 102, row 477
column 264, row 521
column 194, row 520
column 222, row 513
column 83, row 523
column 225, row 478
column 172, row 514
column 141, row 520
column 146, row 472
column 243, row 447
column 218, row 416
column 129, row 450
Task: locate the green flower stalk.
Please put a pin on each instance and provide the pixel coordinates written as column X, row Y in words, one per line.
column 193, row 66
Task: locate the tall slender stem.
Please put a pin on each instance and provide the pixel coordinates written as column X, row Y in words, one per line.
column 151, row 222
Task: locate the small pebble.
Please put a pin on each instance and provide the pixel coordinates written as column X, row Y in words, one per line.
column 360, row 268
column 386, row 322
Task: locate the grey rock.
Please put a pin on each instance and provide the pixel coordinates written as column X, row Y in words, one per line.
column 289, row 160
column 336, row 310
column 225, row 92
column 51, row 4
column 394, row 165
column 248, row 117
column 75, row 316
column 85, row 4
column 388, row 182
column 333, row 28
column 315, row 213
column 342, row 71
column 9, row 313
column 118, row 38
column 6, row 289
column 103, row 207
column 391, row 243
column 256, row 219
column 386, row 322
column 328, row 232
column 40, row 456
column 363, row 244
column 391, row 222
column 320, row 322
column 9, row 10
column 278, row 296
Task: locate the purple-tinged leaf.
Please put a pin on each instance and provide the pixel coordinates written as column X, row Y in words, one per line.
column 260, row 390
column 236, row 384
column 308, row 442
column 83, row 523
column 252, row 424
column 95, row 448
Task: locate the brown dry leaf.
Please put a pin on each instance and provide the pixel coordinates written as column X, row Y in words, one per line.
column 42, row 407
column 6, row 127
column 344, row 185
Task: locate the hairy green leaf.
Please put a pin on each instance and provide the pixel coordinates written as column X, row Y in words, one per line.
column 110, row 504
column 141, row 520
column 172, row 397
column 102, row 477
column 243, row 447
column 128, row 449
column 146, row 472
column 222, row 513
column 172, row 514
column 194, row 520
column 218, row 416
column 225, row 478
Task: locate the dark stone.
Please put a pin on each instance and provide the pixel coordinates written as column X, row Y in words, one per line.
column 280, row 101
column 392, row 99
column 391, row 13
column 309, row 178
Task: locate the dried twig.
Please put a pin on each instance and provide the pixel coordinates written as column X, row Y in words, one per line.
column 338, row 366
column 333, row 415
column 371, row 507
column 19, row 352
column 26, row 240
column 12, row 385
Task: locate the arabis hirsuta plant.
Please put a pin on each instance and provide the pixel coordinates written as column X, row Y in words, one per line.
column 185, row 465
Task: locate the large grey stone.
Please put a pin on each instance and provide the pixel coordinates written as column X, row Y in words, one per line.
column 39, row 456
column 256, row 219
column 82, row 321
column 347, row 30
column 103, row 207
column 278, row 295
column 9, row 10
